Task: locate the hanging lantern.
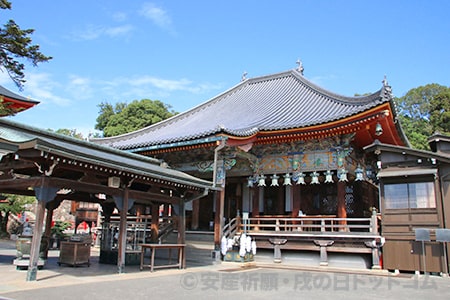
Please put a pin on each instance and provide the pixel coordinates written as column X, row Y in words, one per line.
column 262, row 180
column 299, row 178
column 343, row 175
column 359, row 173
column 274, row 180
column 287, row 179
column 378, row 129
column 251, row 181
column 328, row 176
column 315, row 178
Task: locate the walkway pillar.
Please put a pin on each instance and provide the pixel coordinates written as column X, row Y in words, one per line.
column 155, row 222
column 44, row 194
column 182, row 227
column 195, row 214
column 47, row 232
column 121, row 252
column 36, row 241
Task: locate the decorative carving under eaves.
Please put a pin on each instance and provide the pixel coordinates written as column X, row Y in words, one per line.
column 335, row 143
column 207, row 166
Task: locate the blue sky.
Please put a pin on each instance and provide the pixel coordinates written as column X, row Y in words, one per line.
column 185, row 52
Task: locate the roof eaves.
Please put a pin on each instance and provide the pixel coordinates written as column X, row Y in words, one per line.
column 7, row 93
column 401, row 149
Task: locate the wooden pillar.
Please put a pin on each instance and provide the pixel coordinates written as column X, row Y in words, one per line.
column 121, row 253
column 47, row 232
column 182, row 227
column 255, row 202
column 166, row 210
column 195, row 214
column 36, row 241
column 281, row 200
column 44, row 194
column 296, row 200
column 341, row 206
column 155, row 222
column 219, row 197
column 182, row 222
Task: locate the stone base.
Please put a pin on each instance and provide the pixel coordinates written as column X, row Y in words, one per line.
column 23, row 263
column 132, row 258
column 234, row 256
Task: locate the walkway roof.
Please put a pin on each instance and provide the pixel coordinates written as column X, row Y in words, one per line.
column 28, row 154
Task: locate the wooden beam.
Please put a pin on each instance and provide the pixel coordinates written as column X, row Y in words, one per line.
column 20, row 183
column 21, row 186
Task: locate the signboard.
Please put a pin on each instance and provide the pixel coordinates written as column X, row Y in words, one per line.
column 442, row 235
column 422, row 234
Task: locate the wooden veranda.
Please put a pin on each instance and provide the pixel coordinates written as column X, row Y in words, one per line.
column 312, row 233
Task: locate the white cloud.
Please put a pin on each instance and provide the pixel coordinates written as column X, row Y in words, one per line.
column 163, row 84
column 92, row 32
column 68, row 91
column 41, row 87
column 119, row 16
column 157, row 15
column 118, row 30
column 79, row 87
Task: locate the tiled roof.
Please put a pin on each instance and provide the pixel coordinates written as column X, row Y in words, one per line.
column 275, row 102
column 14, row 134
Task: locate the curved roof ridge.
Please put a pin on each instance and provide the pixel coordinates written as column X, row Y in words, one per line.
column 335, row 96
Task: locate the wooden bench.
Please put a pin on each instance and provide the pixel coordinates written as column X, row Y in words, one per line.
column 153, row 247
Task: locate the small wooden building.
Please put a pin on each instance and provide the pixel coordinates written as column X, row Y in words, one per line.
column 415, row 199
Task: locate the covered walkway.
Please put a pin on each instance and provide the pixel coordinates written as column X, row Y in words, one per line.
column 55, row 167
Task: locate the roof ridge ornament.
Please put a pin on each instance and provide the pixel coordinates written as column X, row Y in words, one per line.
column 385, row 82
column 386, row 86
column 300, row 66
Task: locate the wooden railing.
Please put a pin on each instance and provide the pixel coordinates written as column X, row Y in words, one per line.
column 310, row 224
column 230, row 229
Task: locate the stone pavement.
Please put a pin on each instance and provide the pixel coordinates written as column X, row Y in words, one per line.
column 205, row 279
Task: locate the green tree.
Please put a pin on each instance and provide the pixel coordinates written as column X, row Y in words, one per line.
column 107, row 110
column 123, row 118
column 416, row 110
column 440, row 112
column 16, row 44
column 12, row 204
column 69, row 132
